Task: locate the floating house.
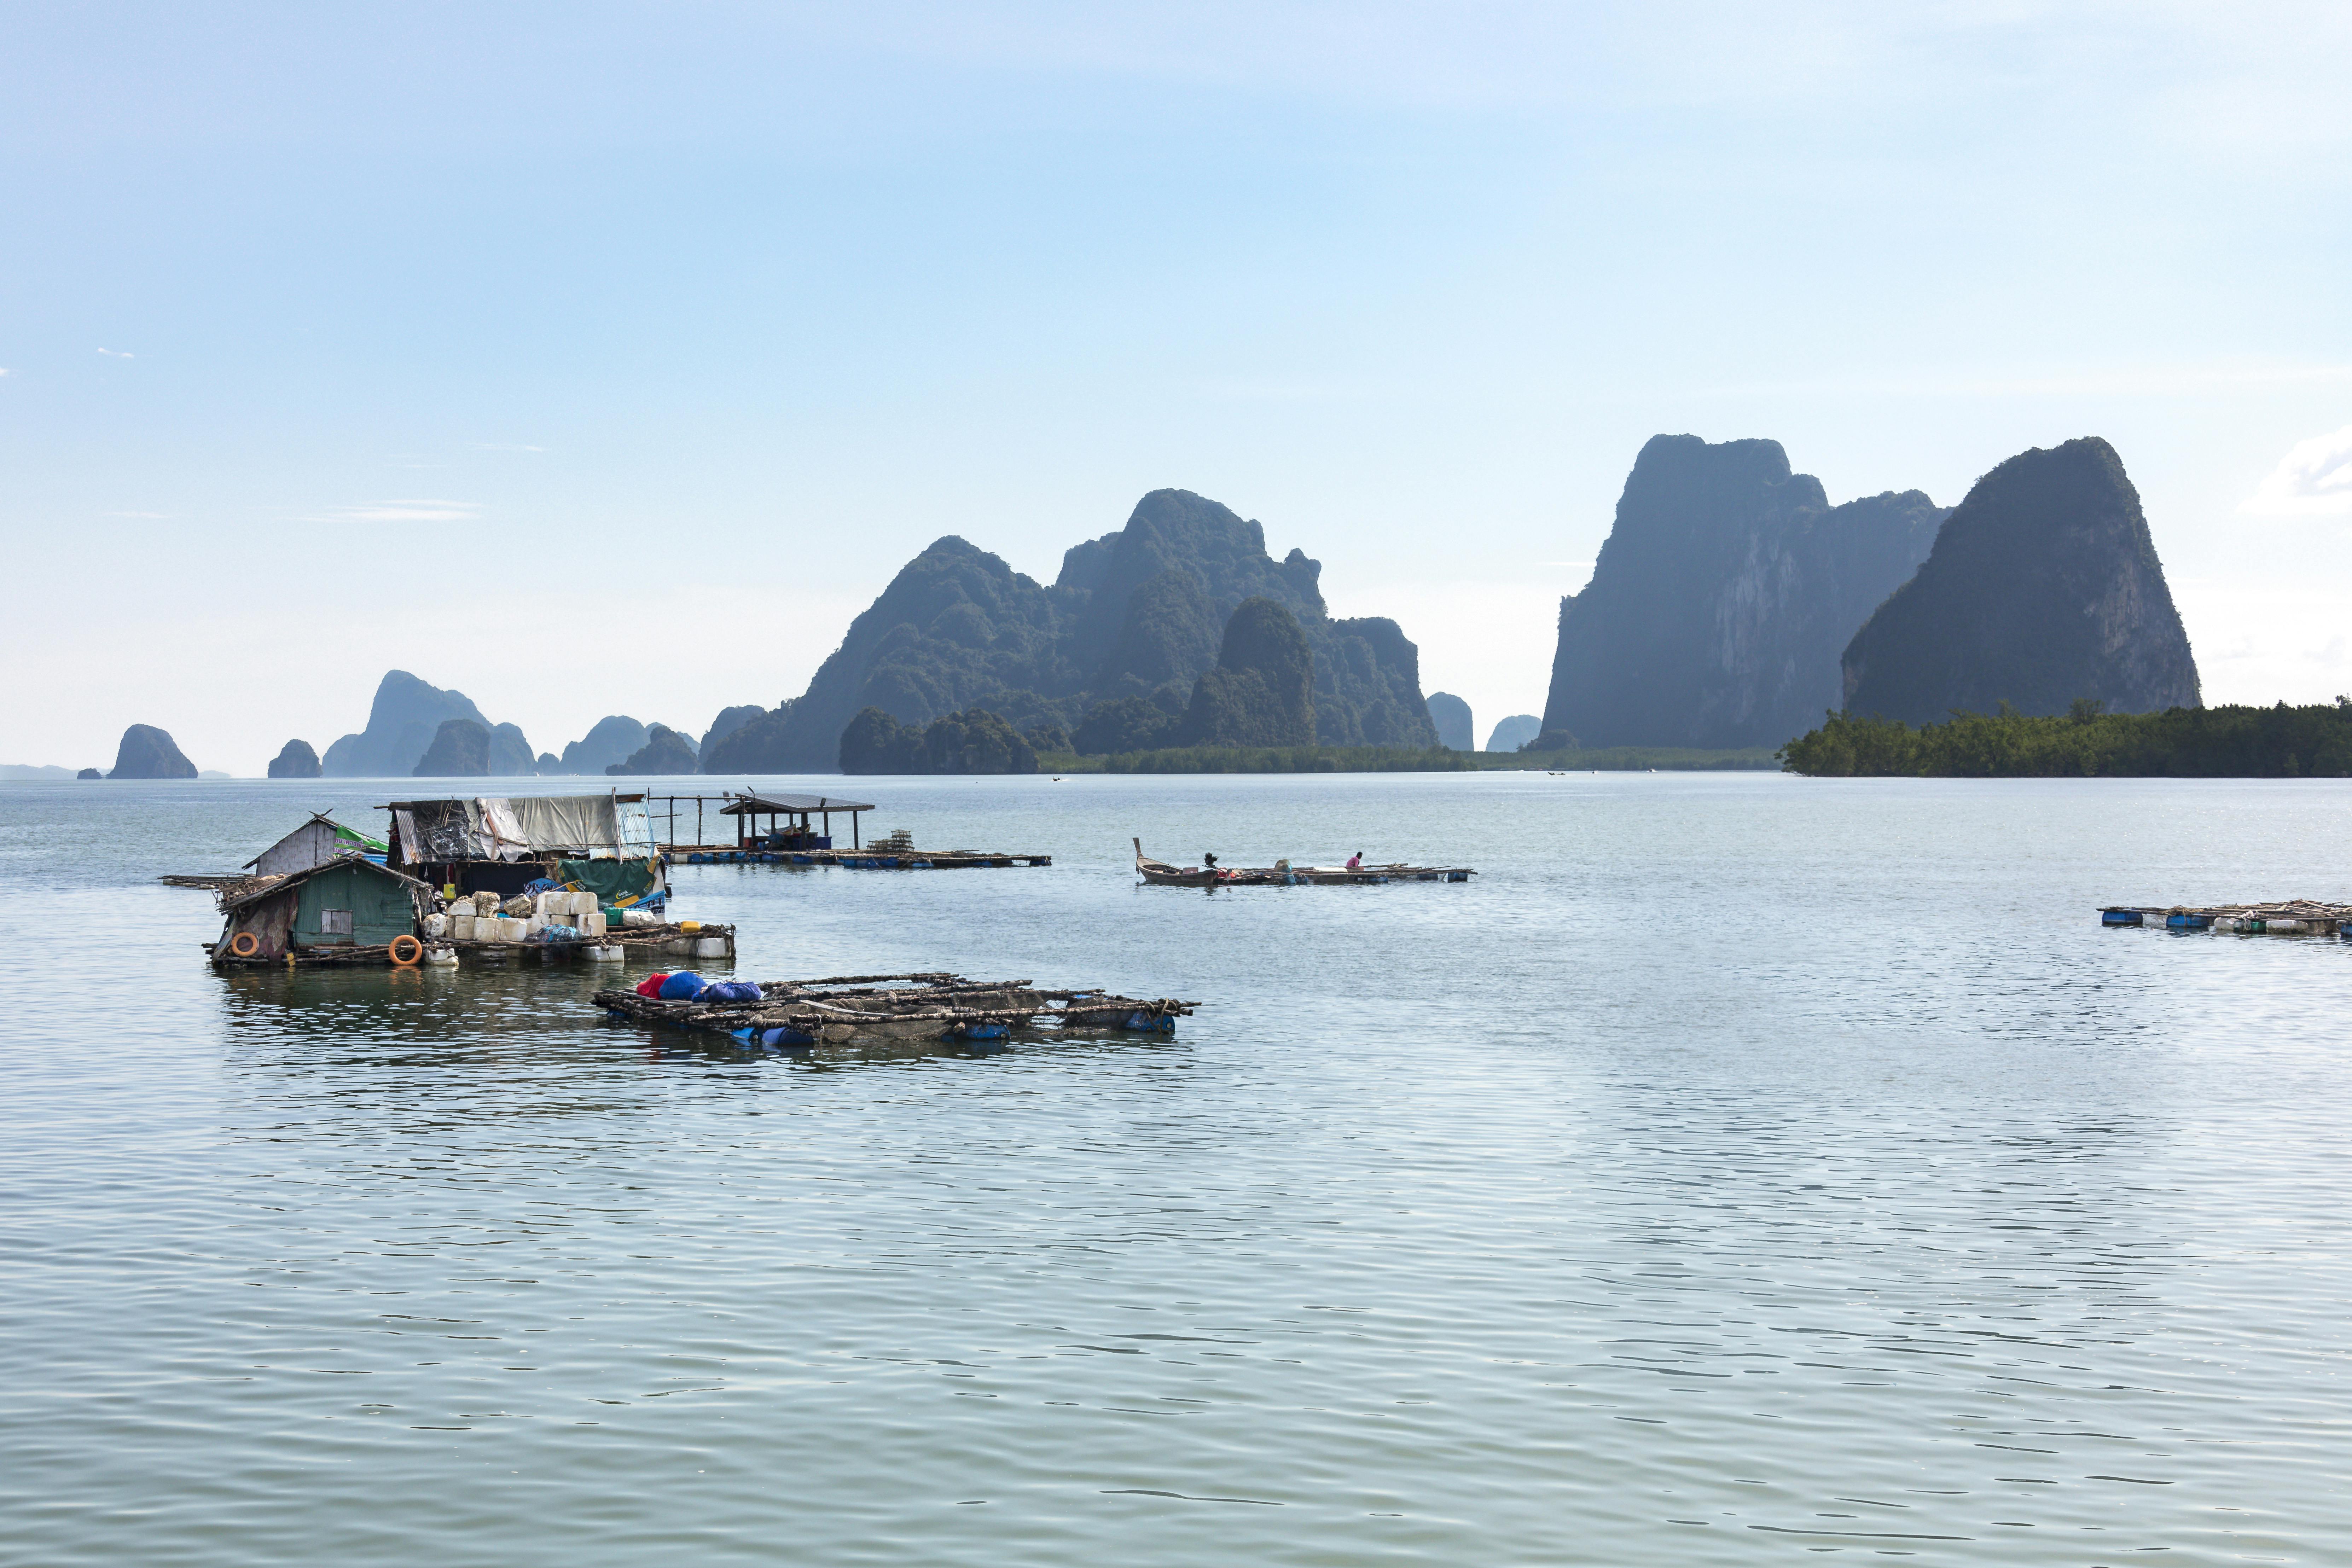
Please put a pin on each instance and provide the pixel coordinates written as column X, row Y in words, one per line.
column 349, row 907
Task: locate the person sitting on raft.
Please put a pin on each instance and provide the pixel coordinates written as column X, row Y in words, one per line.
column 1356, row 861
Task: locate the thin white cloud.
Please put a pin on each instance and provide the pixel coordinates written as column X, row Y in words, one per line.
column 418, row 510
column 117, row 353
column 505, row 447
column 2313, row 480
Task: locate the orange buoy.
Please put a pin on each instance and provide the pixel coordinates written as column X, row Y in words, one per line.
column 416, row 949
column 245, row 944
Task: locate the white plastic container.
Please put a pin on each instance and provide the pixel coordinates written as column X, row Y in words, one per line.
column 461, row 924
column 712, row 947
column 513, row 928
column 441, row 957
column 592, row 924
column 641, row 918
column 612, row 954
column 436, row 925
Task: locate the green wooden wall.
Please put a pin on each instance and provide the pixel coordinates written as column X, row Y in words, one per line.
column 380, row 909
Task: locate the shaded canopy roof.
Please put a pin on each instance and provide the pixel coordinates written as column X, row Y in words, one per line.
column 508, row 828
column 776, row 804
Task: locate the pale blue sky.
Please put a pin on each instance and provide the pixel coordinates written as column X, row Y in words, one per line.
column 335, row 341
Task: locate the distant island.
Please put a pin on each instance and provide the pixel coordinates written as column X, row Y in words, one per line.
column 2086, row 741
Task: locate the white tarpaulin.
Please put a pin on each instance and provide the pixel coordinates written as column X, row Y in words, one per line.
column 499, row 827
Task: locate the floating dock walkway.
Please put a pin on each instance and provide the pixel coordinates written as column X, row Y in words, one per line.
column 853, row 860
column 2290, row 917
column 845, row 1009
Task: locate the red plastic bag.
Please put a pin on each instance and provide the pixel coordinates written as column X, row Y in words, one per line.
column 651, row 985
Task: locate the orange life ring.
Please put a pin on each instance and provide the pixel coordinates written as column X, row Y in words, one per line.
column 245, row 944
column 416, row 951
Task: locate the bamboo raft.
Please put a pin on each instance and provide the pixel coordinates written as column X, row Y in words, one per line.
column 851, row 859
column 1283, row 874
column 2288, row 917
column 797, row 1014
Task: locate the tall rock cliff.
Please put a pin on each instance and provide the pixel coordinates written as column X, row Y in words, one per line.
column 147, row 752
column 402, row 722
column 2042, row 587
column 296, row 760
column 615, row 738
column 1722, row 598
column 1456, row 730
column 1132, row 612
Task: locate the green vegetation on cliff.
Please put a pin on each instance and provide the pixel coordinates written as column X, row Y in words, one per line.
column 2086, row 741
column 1263, row 760
column 1261, row 692
column 972, row 742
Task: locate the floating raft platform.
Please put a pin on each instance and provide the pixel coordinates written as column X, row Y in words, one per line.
column 1283, row 874
column 639, row 944
column 2290, row 917
column 853, row 860
column 848, row 1009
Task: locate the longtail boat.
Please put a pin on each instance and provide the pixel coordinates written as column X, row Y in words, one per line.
column 1283, row 874
column 845, row 1009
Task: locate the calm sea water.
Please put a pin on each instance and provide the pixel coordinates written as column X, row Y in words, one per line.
column 1741, row 1169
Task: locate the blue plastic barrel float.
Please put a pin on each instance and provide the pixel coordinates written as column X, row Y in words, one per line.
column 2185, row 922
column 987, row 1039
column 782, row 1039
column 1146, row 1023
column 2119, row 917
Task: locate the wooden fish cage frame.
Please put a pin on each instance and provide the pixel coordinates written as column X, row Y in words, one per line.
column 848, row 1009
column 2287, row 917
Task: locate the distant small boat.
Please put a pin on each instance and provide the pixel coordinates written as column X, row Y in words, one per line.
column 1283, row 874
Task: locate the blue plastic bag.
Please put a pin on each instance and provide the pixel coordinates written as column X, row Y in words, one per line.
column 729, row 991
column 683, row 986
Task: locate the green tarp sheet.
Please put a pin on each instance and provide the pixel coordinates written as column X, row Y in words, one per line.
column 616, row 882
